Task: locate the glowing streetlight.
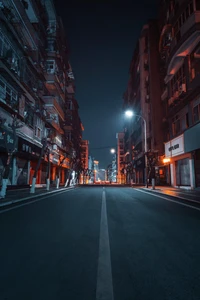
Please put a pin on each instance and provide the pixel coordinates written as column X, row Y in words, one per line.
column 129, row 113
column 112, row 150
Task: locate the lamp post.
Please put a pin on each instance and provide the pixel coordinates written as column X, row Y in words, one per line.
column 113, row 172
column 130, row 114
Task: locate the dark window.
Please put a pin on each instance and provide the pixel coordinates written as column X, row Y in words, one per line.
column 183, row 18
column 187, row 120
column 197, row 4
column 176, row 127
column 196, row 113
column 187, row 12
column 191, row 8
column 29, row 115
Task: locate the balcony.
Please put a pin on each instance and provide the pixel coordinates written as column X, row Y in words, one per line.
column 68, row 126
column 184, row 42
column 70, row 88
column 53, row 106
column 54, row 124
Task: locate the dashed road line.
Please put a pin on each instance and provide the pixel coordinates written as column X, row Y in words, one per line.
column 104, row 290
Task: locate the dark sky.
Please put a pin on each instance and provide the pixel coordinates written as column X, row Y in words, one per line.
column 102, row 36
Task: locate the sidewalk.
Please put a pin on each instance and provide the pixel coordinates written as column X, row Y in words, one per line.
column 181, row 193
column 20, row 195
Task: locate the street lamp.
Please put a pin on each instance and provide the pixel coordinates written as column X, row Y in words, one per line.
column 130, row 114
column 112, row 150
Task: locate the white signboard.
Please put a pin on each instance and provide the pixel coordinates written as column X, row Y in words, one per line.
column 174, row 147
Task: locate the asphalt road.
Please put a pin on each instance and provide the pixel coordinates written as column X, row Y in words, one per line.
column 94, row 243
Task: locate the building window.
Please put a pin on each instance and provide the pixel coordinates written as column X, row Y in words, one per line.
column 183, row 17
column 176, row 127
column 194, row 63
column 197, row 4
column 196, row 113
column 38, row 127
column 8, row 95
column 69, row 105
column 29, row 117
column 50, row 66
column 29, row 78
column 178, row 82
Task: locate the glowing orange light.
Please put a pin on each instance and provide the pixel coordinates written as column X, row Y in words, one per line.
column 166, row 160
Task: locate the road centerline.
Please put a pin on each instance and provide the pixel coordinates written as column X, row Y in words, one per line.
column 104, row 289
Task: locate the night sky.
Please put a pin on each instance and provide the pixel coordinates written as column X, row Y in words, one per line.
column 102, row 36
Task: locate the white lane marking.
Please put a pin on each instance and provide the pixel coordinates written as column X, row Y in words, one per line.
column 170, row 200
column 104, row 290
column 33, row 201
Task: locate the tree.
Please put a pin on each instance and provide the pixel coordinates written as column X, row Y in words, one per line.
column 61, row 161
column 10, row 140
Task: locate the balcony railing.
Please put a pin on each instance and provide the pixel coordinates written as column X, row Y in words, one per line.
column 187, row 36
column 52, row 104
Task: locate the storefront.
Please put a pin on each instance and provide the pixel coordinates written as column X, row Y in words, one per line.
column 7, row 144
column 192, row 146
column 25, row 162
column 180, row 162
column 139, row 166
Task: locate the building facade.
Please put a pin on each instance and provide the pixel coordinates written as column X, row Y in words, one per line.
column 143, row 98
column 37, row 89
column 120, row 158
column 84, row 161
column 179, row 47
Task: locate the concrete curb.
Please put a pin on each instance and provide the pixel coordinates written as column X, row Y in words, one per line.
column 36, row 196
column 160, row 191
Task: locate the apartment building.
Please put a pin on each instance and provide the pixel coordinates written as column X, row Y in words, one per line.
column 143, row 98
column 37, row 87
column 120, row 158
column 179, row 47
column 84, row 161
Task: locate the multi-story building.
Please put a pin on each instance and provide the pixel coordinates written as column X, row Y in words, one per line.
column 143, row 98
column 84, row 154
column 179, row 47
column 84, row 161
column 91, row 169
column 96, row 170
column 109, row 172
column 102, row 176
column 120, row 158
column 36, row 83
column 114, row 169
